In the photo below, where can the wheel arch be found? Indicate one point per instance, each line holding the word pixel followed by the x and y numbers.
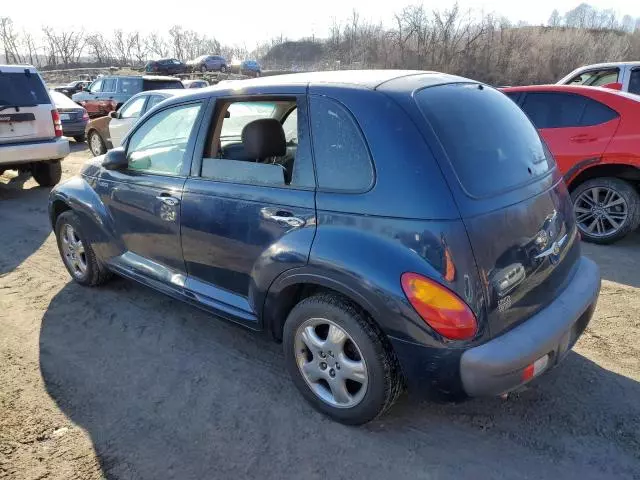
pixel 630 173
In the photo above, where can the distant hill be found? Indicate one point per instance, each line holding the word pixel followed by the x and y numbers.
pixel 301 52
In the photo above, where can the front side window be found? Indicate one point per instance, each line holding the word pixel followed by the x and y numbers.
pixel 596 78
pixel 554 110
pixel 341 154
pixel 159 145
pixel 96 86
pixel 133 108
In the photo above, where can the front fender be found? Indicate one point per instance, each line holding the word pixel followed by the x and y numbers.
pixel 96 222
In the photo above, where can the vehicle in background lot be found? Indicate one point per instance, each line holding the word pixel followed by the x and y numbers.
pixel 73 87
pixel 166 66
pixel 208 63
pixel 73 117
pixel 107 132
pixel 30 129
pixel 594 135
pixel 195 83
pixel 108 93
pixel 282 214
pixel 250 68
pixel 624 76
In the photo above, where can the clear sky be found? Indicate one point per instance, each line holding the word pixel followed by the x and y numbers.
pixel 248 21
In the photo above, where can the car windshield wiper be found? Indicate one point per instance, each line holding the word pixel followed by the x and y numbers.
pixel 17 107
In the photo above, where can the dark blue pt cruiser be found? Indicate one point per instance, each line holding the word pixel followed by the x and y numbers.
pixel 390 228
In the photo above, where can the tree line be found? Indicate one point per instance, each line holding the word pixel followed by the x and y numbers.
pixel 486 47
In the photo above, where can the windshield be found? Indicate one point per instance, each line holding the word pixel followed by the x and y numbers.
pixel 490 142
pixel 17 88
pixel 241 113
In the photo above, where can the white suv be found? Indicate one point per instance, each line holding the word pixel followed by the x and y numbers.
pixel 623 76
pixel 30 129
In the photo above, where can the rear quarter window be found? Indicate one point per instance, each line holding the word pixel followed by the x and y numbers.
pixel 490 143
pixel 17 88
pixel 342 157
pixel 595 113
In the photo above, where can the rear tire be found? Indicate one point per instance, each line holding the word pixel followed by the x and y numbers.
pixel 365 354
pixel 203 68
pixel 84 267
pixel 47 174
pixel 599 223
pixel 223 69
pixel 96 144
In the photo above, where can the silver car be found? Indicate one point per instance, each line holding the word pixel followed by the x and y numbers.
pixel 624 76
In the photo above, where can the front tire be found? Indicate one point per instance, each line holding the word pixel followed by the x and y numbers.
pixel 77 253
pixel 606 209
pixel 223 69
pixel 47 174
pixel 339 360
pixel 203 68
pixel 96 144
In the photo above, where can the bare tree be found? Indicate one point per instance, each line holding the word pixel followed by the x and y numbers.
pixel 555 20
pixel 66 46
pixel 156 45
pixel 10 41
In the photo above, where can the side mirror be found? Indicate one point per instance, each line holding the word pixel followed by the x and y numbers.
pixel 613 86
pixel 115 159
pixel 85 89
pixel 113 114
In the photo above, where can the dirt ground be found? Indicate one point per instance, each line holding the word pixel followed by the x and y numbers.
pixel 124 383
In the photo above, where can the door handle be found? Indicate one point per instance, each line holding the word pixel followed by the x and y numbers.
pixel 282 217
pixel 583 138
pixel 168 200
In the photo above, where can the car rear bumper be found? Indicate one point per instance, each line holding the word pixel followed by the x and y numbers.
pixel 34 151
pixel 73 129
pixel 498 366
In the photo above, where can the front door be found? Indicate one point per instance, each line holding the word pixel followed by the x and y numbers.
pixel 90 100
pixel 127 116
pixel 249 214
pixel 575 128
pixel 144 199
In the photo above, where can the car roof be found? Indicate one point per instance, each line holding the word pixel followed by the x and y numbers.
pixel 592 92
pixel 60 100
pixel 167 92
pixel 17 68
pixel 607 65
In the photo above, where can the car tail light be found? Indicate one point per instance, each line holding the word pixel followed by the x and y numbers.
pixel 439 307
pixel 57 125
pixel 85 115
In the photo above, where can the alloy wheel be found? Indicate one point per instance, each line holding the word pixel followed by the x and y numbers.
pixel 95 144
pixel 600 211
pixel 73 251
pixel 331 363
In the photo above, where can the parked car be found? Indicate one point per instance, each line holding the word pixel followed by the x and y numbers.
pixel 73 87
pixel 364 239
pixel 207 63
pixel 166 66
pixel 250 68
pixel 30 129
pixel 195 83
pixel 104 133
pixel 73 117
pixel 594 135
pixel 108 93
pixel 623 76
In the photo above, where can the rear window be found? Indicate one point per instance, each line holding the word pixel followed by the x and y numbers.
pixel 22 90
pixel 161 84
pixel 490 142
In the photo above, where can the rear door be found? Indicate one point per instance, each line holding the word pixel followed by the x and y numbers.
pixel 25 106
pixel 244 219
pixel 511 197
pixel 576 128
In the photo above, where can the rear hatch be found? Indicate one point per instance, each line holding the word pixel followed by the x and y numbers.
pixel 70 111
pixel 513 202
pixel 25 106
pixel 161 83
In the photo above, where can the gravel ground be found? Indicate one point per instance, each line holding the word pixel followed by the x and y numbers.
pixel 123 383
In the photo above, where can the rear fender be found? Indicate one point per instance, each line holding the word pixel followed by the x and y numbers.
pixel 96 222
pixel 366 267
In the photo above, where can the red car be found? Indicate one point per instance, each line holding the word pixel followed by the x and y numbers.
pixel 594 135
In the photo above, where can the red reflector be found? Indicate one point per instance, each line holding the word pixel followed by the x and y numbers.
pixel 535 368
pixel 57 125
pixel 85 115
pixel 439 307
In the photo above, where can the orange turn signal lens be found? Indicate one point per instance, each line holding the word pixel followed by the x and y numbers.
pixel 439 307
